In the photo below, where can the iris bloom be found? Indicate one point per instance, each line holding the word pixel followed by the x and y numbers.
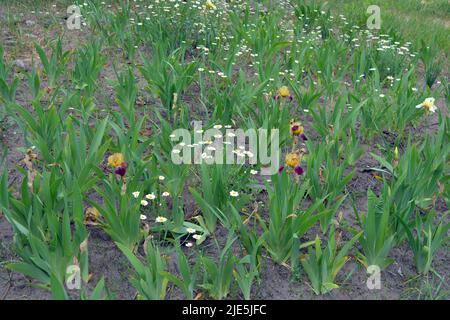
pixel 428 105
pixel 292 159
pixel 296 128
pixel 115 160
pixel 122 169
pixel 284 93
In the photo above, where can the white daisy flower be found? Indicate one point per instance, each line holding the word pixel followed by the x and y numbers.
pixel 190 230
pixel 144 203
pixel 160 219
pixel 234 193
pixel 136 194
pixel 150 196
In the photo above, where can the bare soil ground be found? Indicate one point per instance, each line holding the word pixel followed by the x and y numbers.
pixel 105 259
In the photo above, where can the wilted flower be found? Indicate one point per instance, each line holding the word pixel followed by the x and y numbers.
pixel 292 159
pixel 428 105
pixel 280 169
pixel 160 219
pixel 91 216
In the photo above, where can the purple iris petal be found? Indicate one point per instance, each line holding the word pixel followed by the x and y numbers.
pixel 304 138
pixel 298 170
pixel 122 169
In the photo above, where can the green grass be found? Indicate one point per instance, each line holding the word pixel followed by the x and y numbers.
pixel 428 287
pixel 413 20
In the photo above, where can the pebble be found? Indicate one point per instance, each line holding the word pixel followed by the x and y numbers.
pixel 19 63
